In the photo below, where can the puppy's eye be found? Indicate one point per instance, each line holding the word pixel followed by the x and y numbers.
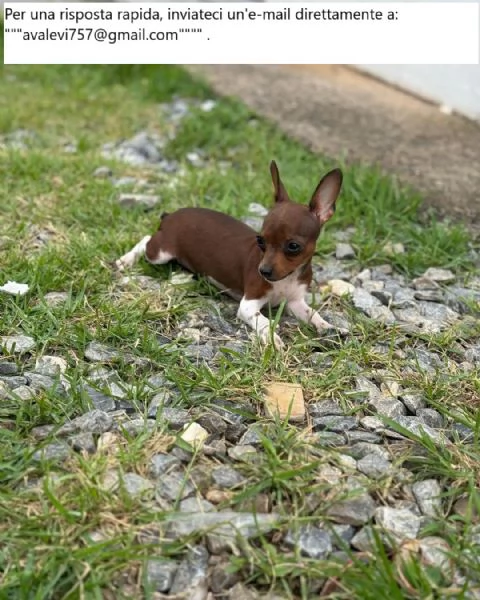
pixel 261 243
pixel 293 248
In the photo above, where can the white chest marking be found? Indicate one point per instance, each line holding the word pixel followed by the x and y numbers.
pixel 288 289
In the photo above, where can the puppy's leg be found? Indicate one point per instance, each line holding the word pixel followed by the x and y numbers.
pixel 303 312
pixel 249 312
pixel 131 257
pixel 157 250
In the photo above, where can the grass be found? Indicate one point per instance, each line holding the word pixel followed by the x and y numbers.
pixel 49 512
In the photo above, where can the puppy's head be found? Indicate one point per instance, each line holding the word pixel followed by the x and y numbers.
pixel 290 230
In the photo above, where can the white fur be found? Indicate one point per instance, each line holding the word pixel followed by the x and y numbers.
pixel 249 312
pixel 131 257
pixel 290 290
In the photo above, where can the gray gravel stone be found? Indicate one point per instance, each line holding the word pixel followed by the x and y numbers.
pixel 226 477
pixel 200 352
pixel 97 352
pixel 399 524
pixel 173 486
pixel 161 464
pixel 159 402
pixel 211 421
pixel 418 427
pixel 372 307
pixel 241 592
pixel 330 270
pixel 23 392
pixel 364 301
pixel 83 442
pixel 401 297
pixel 160 573
pixel 191 576
pixel 176 418
pixel 436 552
pixel 427 494
pixel 372 423
pixel 344 251
pixel 439 275
pixel 99 400
pixel 464 433
pixel 145 201
pixel 196 505
pixel 426 360
pixel 221 579
pixel 245 453
pixel 329 439
pixel 257 209
pixel 368 389
pixel 158 381
pixel 311 541
pixel 424 283
pixel 135 426
pixel 255 223
pixel 39 382
pixel 341 535
pixel 141 149
pixel 8 368
pixel 356 510
pixel 54 299
pixel 334 423
pixel 364 539
pixel 219 325
pixel 41 432
pixel 413 401
pixel 429 295
pixel 103 172
pixel 390 408
pixel 358 435
pixel 362 449
pixel 55 451
pixel 431 417
pixel 439 313
pixel 473 355
pixel 252 436
pixel 14 381
pixel 51 366
pixel 94 421
pixel 374 466
pixel 325 408
pixel 135 485
pixel 17 344
pixel 223 524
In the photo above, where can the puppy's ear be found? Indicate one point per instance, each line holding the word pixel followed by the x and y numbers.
pixel 322 204
pixel 280 191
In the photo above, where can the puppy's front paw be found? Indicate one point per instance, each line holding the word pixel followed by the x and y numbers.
pixel 266 337
pixel 124 262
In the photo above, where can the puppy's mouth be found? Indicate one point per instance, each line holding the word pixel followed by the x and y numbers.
pixel 273 279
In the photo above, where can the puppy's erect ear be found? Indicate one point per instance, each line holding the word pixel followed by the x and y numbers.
pixel 322 204
pixel 280 191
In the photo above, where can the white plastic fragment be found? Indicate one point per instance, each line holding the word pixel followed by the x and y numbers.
pixel 12 287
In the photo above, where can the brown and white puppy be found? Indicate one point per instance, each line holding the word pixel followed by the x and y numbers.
pixel 269 268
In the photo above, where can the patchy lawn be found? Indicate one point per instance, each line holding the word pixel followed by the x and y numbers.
pixel 374 495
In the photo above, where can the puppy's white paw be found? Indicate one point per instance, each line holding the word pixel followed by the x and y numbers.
pixel 266 337
pixel 124 262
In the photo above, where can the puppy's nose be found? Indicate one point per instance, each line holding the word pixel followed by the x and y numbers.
pixel 266 271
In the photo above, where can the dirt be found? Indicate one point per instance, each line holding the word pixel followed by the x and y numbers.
pixel 339 112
